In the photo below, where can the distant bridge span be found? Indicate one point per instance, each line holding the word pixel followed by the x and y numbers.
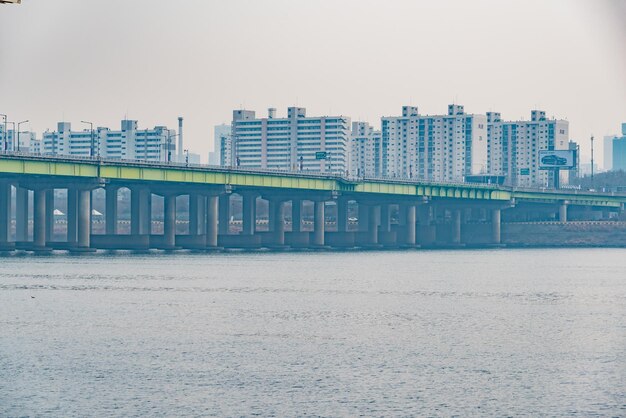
pixel 420 205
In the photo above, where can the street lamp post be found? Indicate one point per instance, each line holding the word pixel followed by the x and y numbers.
pixel 6 145
pixel 18 133
pixel 169 145
pixel 592 161
pixel 91 151
pixel 4 134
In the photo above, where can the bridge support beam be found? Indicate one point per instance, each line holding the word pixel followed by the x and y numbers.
pixel 5 216
pixel 427 232
pixel 197 208
pixel 363 223
pixel 385 218
pixel 224 214
pixel 111 210
pixel 296 215
pixel 456 227
pixel 249 213
pixel 140 211
pixel 212 220
pixel 277 221
pixel 169 221
pixel 410 224
pixel 39 219
pixel 49 214
pixel 72 216
pixel 495 226
pixel 21 214
pixel 84 219
pixel 563 212
pixel 342 215
pixel 318 223
pixel 372 227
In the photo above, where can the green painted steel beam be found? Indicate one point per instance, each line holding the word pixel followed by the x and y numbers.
pixel 119 171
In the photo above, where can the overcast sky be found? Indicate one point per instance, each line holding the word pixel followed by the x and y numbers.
pixel 154 60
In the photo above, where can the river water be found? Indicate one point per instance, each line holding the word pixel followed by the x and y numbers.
pixel 412 333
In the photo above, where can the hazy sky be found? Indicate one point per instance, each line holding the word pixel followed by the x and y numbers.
pixel 154 60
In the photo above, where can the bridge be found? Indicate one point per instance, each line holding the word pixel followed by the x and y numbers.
pixel 389 212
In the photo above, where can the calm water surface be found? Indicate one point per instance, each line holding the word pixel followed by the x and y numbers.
pixel 502 332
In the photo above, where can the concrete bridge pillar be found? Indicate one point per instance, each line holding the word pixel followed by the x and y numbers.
pixel 495 226
pixel 296 215
pixel 409 221
pixel 249 213
pixel 277 221
pixel 385 218
pixel 318 223
pixel 363 225
pixel 5 215
pixel 197 210
pixel 563 212
pixel 140 211
pixel 212 220
pixel 427 232
pixel 169 221
pixel 39 218
pixel 49 214
pixel 84 219
pixel 342 215
pixel 456 226
pixel 111 210
pixel 372 227
pixel 224 214
pixel 72 216
pixel 21 214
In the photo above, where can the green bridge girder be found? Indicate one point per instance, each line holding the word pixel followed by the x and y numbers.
pixel 15 166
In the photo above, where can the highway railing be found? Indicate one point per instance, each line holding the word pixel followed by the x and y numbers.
pixel 296 173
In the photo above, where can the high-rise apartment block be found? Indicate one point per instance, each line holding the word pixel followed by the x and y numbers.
pixel 514 147
pixel 619 150
pixel 296 142
pixel 438 148
pixel 221 145
pixel 130 142
pixel 366 157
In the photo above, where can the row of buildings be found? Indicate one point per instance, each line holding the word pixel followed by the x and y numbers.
pixel 129 142
pixel 451 147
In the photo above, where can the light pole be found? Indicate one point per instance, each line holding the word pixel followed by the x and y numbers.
pixel 169 145
pixel 13 123
pixel 591 161
pixel 18 133
pixel 91 129
pixel 4 134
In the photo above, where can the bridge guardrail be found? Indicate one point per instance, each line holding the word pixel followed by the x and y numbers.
pixel 302 174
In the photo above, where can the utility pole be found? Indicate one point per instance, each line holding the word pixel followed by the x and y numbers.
pixel 592 161
pixel 18 133
pixel 91 150
pixel 4 134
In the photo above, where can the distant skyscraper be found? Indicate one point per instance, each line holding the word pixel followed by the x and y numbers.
pixel 514 147
pixel 130 142
pixel 619 151
pixel 365 150
pixel 297 141
pixel 608 152
pixel 439 148
pixel 220 134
